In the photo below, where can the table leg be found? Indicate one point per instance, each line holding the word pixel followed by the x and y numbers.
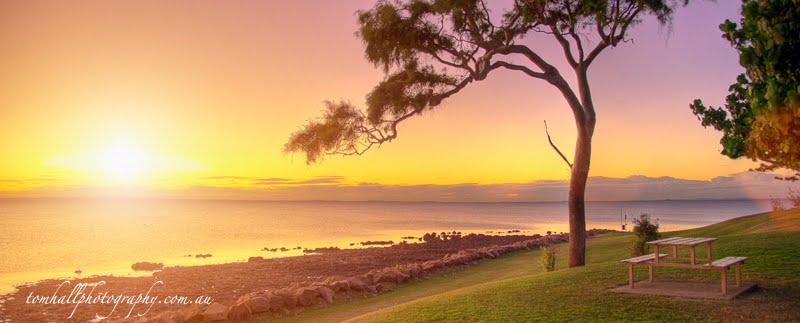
pixel 656 260
pixel 738 275
pixel 630 275
pixel 709 251
pixel 724 282
pixel 675 251
pixel 650 271
pixel 691 254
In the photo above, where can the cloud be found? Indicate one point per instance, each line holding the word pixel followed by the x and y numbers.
pixel 746 185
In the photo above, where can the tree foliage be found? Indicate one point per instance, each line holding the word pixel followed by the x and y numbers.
pixel 431 50
pixel 761 116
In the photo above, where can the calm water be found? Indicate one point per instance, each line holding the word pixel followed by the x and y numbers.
pixel 50 238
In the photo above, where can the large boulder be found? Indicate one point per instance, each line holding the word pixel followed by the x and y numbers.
pixel 340 285
pixel 356 284
pixel 370 277
pixel 326 294
pixel 277 303
pixel 215 312
pixel 192 314
pixel 168 317
pixel 431 265
pixel 375 289
pixel 394 276
pixel 290 300
pixel 239 312
pixel 306 296
pixel 415 270
pixel 258 304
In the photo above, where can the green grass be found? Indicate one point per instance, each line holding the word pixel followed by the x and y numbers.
pixel 514 288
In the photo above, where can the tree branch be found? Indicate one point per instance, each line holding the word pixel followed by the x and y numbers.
pixel 521 68
pixel 554 146
pixel 566 46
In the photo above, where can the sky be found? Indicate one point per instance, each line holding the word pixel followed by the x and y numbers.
pixel 197 98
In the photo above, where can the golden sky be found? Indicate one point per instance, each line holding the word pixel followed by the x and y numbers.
pixel 205 93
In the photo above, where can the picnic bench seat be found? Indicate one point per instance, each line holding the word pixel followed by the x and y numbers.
pixel 640 260
pixel 725 263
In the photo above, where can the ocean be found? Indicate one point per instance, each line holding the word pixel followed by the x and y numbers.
pixel 52 238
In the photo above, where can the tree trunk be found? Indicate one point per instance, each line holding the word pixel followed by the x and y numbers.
pixel 577 208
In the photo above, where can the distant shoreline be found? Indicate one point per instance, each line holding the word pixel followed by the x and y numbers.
pixel 111 198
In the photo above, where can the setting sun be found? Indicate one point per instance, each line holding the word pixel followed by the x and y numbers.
pixel 123 162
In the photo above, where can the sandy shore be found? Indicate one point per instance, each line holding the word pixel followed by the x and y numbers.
pixel 224 283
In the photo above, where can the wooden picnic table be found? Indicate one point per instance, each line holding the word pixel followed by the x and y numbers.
pixel 655 258
pixel 675 242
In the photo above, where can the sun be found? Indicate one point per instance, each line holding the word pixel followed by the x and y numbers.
pixel 125 163
pixel 122 162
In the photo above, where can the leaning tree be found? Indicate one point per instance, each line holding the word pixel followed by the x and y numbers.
pixel 430 50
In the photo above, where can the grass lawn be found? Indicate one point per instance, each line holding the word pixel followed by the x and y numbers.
pixel 514 288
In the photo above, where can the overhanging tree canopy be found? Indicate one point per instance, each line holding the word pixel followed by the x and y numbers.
pixel 432 49
pixel 761 117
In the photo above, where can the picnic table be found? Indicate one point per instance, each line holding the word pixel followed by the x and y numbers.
pixel 658 259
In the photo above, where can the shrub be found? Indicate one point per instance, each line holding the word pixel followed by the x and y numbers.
pixel 645 230
pixel 548 258
pixel 777 204
pixel 794 197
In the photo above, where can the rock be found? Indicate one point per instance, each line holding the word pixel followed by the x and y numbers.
pixel 356 284
pixel 374 276
pixel 369 278
pixel 415 270
pixel 374 288
pixel 215 312
pixel 289 299
pixel 343 285
pixel 334 286
pixel 255 259
pixel 239 312
pixel 147 266
pixel 326 294
pixel 247 297
pixel 192 314
pixel 393 275
pixel 168 317
pixel 306 296
pixel 258 304
pixel 433 264
pixel 277 303
pixel 333 279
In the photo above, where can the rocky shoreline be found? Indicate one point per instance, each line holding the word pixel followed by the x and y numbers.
pixel 274 285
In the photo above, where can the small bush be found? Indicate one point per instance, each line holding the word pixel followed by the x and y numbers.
pixel 645 230
pixel 794 197
pixel 777 204
pixel 548 258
